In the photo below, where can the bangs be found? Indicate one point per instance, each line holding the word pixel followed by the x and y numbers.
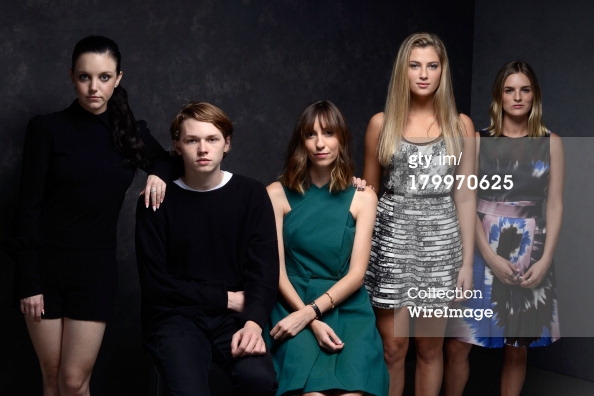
pixel 328 120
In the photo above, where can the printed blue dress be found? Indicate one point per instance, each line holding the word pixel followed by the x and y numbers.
pixel 515 227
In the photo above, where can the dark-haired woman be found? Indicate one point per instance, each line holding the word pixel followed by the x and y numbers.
pixel 77 165
pixel 515 243
pixel 325 340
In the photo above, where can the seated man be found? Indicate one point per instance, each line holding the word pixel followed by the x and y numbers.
pixel 208 263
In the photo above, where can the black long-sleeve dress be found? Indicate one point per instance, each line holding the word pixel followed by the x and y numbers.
pixel 72 189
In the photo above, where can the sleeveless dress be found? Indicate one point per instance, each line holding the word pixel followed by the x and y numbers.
pixel 513 222
pixel 318 236
pixel 416 248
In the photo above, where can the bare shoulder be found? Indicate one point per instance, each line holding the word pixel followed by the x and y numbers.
pixel 468 125
pixel 373 130
pixel 376 121
pixel 556 145
pixel 555 140
pixel 555 137
pixel 275 188
pixel 364 200
pixel 368 196
pixel 277 195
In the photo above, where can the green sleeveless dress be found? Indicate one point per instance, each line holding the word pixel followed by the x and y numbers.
pixel 318 236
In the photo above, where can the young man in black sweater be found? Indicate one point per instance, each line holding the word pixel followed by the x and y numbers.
pixel 208 263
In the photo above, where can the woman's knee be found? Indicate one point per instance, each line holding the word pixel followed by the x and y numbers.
pixel 456 350
pixel 74 384
pixel 429 348
pixel 515 355
pixel 395 349
pixel 50 374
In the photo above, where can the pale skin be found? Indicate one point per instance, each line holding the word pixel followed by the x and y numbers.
pixel 67 348
pixel 322 149
pixel 517 103
pixel 202 147
pixel 424 74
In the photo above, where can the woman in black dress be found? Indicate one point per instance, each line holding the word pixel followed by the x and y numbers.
pixel 77 165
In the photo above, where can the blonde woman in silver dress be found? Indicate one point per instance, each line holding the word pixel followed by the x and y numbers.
pixel 423 234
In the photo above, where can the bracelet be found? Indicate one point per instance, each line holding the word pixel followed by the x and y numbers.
pixel 316 310
pixel 331 299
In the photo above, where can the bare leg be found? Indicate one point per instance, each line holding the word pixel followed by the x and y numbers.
pixel 46 337
pixel 514 370
pixel 456 368
pixel 80 346
pixel 389 324
pixel 429 342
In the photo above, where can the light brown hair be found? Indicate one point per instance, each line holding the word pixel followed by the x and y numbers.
pixel 296 170
pixel 205 112
pixel 536 127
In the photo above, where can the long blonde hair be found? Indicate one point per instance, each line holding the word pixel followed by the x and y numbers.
pixel 536 127
pixel 399 96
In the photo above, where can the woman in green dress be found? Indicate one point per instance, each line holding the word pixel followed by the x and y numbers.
pixel 323 335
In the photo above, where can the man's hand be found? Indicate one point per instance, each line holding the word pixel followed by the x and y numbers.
pixel 236 301
pixel 248 341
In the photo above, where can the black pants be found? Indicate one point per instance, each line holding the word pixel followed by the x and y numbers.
pixel 182 349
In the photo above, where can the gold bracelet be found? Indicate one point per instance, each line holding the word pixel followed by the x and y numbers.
pixel 331 299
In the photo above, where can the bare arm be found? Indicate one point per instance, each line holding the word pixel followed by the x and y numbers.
pixel 554 214
pixel 372 169
pixel 503 269
pixel 363 209
pixel 281 208
pixel 465 200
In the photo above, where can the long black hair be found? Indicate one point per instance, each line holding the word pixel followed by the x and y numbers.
pixel 124 128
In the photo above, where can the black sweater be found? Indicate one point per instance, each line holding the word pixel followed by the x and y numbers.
pixel 72 187
pixel 199 245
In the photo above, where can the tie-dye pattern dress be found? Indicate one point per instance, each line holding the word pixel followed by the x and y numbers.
pixel 511 213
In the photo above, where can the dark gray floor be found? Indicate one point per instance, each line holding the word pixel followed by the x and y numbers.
pixel 484 379
pixel 485 366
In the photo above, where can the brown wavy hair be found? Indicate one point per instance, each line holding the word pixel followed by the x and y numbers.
pixel 295 173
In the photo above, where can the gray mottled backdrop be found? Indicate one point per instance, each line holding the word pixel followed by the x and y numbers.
pixel 261 61
pixel 556 38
